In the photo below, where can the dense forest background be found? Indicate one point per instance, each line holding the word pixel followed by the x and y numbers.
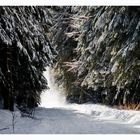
pixel 98 54
pixel 93 52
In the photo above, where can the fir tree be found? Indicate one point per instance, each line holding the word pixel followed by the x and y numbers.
pixel 25 51
pixel 105 58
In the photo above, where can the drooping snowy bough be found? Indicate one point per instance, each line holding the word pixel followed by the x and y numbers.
pixel 25 51
pixel 99 50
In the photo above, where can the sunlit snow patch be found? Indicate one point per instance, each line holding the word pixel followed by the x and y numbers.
pixel 53 96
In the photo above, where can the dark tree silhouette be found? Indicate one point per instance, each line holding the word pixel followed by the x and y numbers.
pixel 25 51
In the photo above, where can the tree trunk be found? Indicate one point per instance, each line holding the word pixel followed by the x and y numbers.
pixel 8 90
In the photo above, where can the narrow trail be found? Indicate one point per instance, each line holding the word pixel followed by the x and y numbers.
pixel 61 117
pixel 55 116
pixel 68 121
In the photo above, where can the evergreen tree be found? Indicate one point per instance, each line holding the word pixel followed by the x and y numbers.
pixel 24 53
pixel 105 57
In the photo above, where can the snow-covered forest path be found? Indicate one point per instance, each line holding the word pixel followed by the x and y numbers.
pixel 55 116
pixel 73 119
pixel 68 121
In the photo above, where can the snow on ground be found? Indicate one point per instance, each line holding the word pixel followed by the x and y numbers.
pixel 60 118
pixel 90 118
pixel 55 116
pixel 72 119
